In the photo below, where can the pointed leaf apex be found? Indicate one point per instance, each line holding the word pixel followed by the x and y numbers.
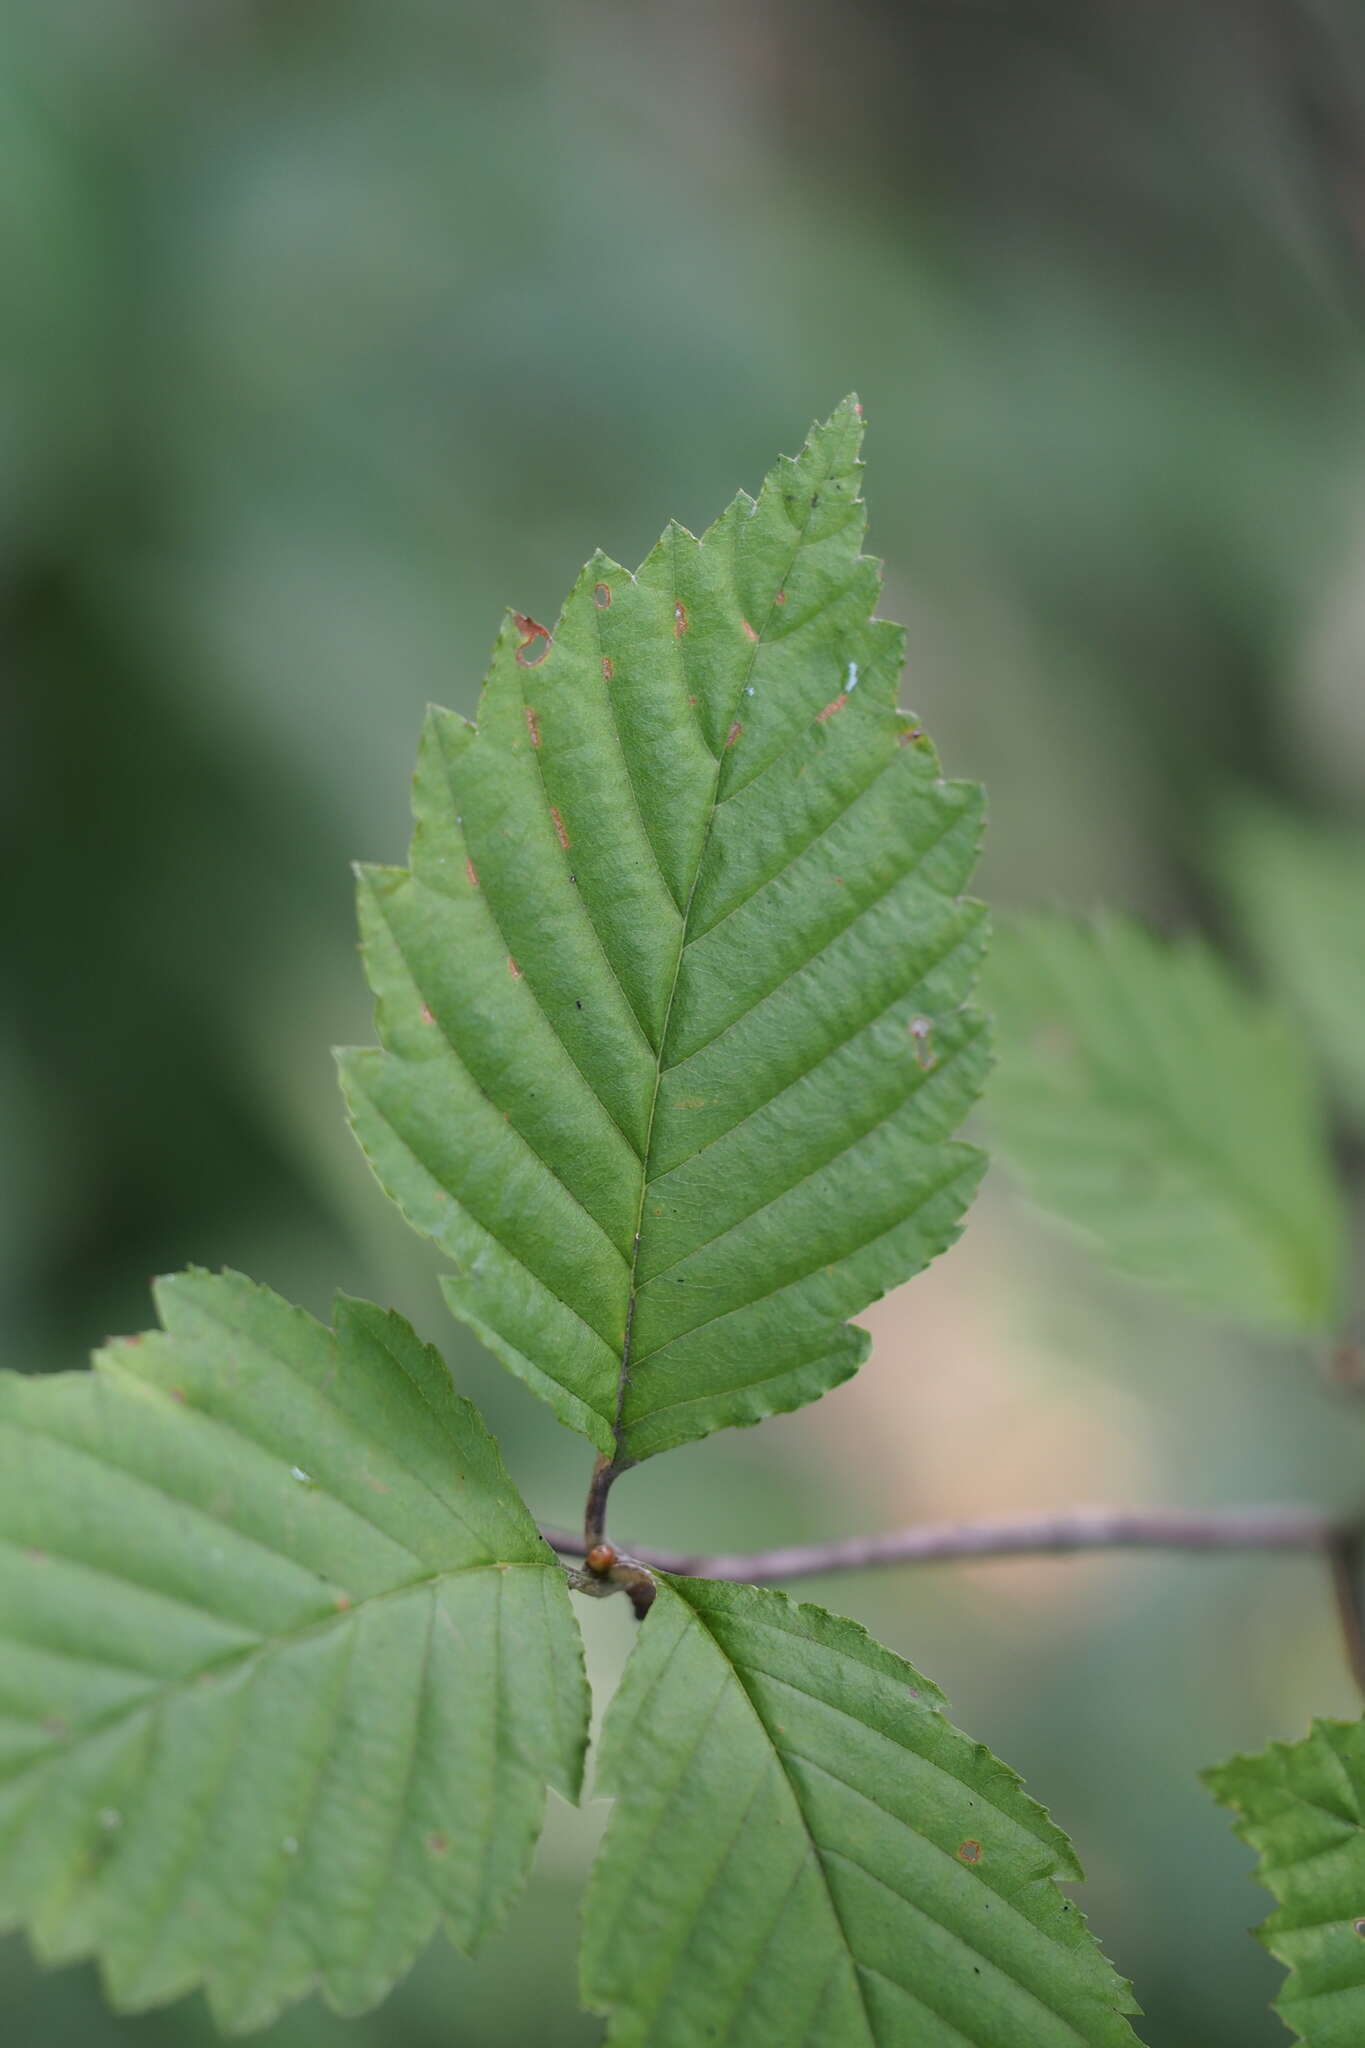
pixel 676 904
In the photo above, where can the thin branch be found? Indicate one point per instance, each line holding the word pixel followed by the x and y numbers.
pixel 1030 1536
pixel 1341 1544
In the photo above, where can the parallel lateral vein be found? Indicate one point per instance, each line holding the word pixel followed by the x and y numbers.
pixel 915 1086
pixel 623 1378
pixel 840 817
pixel 957 941
pixel 629 768
pixel 453 896
pixel 906 874
pixel 738 1679
pixel 921 1200
pixel 588 917
pixel 514 1257
pixel 254 1655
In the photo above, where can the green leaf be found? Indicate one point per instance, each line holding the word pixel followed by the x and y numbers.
pixel 1147 1099
pixel 647 990
pixel 266 1722
pixel 1301 1807
pixel 804 1851
pixel 1299 890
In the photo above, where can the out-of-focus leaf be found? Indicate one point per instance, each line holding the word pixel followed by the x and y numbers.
pixel 1146 1098
pixel 1299 890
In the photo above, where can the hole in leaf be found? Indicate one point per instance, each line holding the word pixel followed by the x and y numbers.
pixel 536 636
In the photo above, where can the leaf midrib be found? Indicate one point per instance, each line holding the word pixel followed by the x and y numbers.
pixel 623 1373
pixel 819 1852
pixel 233 1660
pixel 812 1844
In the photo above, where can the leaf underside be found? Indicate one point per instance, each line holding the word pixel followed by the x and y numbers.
pixel 1301 1806
pixel 805 1854
pixel 284 1665
pixel 671 995
pixel 1150 1102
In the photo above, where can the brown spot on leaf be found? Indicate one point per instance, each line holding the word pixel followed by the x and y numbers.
pixel 836 704
pixel 472 873
pixel 533 726
pixel 438 1844
pixel 513 969
pixel 36 1556
pixel 341 1602
pixel 53 1724
pixel 679 618
pixel 858 407
pixel 608 668
pixel 425 1014
pixel 601 596
pixel 536 636
pixel 921 1030
pixel 969 1852
pixel 780 598
pixel 735 730
pixel 179 1394
pixel 559 828
pixel 749 632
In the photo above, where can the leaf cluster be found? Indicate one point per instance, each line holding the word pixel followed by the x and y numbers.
pixel 674 1000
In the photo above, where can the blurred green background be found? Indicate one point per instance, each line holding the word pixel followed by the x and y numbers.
pixel 330 328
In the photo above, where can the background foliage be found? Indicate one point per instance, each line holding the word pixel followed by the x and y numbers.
pixel 330 329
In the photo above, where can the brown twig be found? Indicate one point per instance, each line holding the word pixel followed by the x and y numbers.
pixel 1029 1536
pixel 1341 1544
